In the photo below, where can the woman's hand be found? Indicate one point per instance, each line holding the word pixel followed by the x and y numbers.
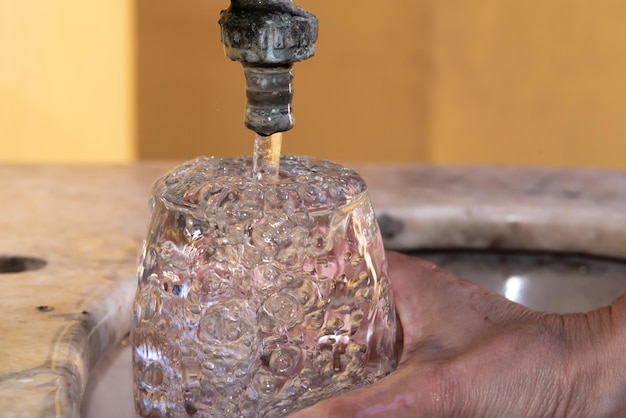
pixel 469 352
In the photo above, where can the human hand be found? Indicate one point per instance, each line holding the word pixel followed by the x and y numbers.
pixel 469 352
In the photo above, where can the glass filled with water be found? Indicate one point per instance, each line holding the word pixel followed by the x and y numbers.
pixel 259 296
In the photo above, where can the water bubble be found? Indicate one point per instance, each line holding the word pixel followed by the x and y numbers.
pixel 221 324
pixel 356 260
pixel 357 316
pixel 355 348
pixel 234 234
pixel 193 228
pixel 241 371
pixel 200 401
pixel 343 309
pixel 364 295
pixel 212 283
pixel 251 257
pixel 341 278
pixel 148 351
pixel 149 262
pixel 264 383
pixel 314 320
pixel 251 196
pixel 202 251
pixel 333 326
pixel 284 361
pixel 313 195
pixel 191 372
pixel 150 303
pixel 266 239
pixel 269 275
pixel 319 243
pixel 282 308
pixel 360 280
pixel 302 218
pixel 306 294
pixel 173 256
pixel 227 254
pixel 194 309
pixel 300 237
pixel 275 197
pixel 292 280
pixel 290 257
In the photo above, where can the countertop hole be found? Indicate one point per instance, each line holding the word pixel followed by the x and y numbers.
pixel 18 264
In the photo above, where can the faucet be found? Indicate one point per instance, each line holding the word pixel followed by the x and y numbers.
pixel 267 37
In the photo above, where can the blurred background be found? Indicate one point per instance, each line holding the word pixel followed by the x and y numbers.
pixel 464 82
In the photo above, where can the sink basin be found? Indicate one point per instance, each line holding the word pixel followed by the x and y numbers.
pixel 549 282
pixel 544 281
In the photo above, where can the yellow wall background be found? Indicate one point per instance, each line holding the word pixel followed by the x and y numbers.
pixel 67 81
pixel 478 82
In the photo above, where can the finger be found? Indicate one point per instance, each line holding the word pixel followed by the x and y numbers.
pixel 426 296
pixel 438 310
pixel 408 392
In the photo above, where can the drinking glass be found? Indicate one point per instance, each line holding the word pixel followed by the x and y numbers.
pixel 259 297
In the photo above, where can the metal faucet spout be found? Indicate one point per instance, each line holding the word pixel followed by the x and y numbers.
pixel 267 37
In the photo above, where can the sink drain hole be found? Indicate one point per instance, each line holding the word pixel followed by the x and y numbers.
pixel 17 264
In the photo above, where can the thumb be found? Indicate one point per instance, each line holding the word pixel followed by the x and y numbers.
pixel 399 395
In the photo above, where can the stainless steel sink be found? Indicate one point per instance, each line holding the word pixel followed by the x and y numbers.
pixel 549 282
